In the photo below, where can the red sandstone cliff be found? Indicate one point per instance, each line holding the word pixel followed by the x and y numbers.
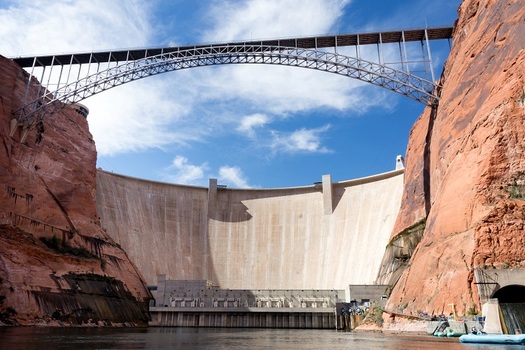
pixel 48 191
pixel 465 177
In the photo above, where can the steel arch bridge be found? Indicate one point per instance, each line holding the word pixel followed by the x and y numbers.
pixel 71 78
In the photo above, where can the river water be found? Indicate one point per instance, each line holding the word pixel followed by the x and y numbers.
pixel 29 338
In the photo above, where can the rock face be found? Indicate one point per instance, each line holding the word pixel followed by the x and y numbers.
pixel 55 259
pixel 465 175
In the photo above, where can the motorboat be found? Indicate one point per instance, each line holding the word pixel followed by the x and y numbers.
pixel 493 338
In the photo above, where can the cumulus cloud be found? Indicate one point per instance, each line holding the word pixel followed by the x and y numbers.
pixel 30 27
pixel 250 122
pixel 143 115
pixel 280 90
pixel 182 171
pixel 303 140
pixel 256 19
pixel 233 175
pixel 283 90
pixel 129 118
pixel 185 172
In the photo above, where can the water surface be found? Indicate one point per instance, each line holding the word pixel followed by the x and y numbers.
pixel 221 338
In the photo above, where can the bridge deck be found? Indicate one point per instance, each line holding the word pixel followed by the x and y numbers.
pixel 436 33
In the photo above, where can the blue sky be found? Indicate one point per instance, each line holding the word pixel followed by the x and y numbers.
pixel 248 126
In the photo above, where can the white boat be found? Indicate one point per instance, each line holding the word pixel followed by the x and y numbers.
pixel 493 338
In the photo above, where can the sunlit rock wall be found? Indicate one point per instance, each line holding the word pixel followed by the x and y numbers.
pixel 290 238
pixel 47 194
pixel 465 176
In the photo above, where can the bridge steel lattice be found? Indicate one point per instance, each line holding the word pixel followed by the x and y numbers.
pixel 71 78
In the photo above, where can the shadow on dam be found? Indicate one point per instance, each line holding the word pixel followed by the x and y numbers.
pixel 230 207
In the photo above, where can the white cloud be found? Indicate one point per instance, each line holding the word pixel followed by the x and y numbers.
pixel 142 115
pixel 256 19
pixel 233 175
pixel 273 89
pixel 282 90
pixel 182 171
pixel 185 173
pixel 40 27
pixel 250 122
pixel 128 118
pixel 303 140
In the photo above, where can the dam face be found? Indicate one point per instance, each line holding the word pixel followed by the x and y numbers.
pixel 324 236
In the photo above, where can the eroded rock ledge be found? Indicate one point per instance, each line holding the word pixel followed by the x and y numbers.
pixel 57 265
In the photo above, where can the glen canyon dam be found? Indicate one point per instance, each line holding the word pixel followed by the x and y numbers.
pixel 441 233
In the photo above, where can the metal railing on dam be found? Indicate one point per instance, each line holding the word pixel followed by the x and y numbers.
pixel 323 236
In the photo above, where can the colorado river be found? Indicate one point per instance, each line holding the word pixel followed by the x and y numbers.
pixel 211 338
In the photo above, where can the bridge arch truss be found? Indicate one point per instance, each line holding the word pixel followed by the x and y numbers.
pixel 71 78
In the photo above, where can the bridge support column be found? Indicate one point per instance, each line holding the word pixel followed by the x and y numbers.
pixel 13 127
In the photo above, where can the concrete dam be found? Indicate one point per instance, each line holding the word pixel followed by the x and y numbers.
pixel 328 235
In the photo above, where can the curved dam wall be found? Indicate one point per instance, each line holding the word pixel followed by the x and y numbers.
pixel 324 236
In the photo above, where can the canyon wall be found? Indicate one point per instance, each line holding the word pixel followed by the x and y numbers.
pixel 464 183
pixel 323 236
pixel 57 265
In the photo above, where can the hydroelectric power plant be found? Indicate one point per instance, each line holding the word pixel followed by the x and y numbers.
pixel 289 254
